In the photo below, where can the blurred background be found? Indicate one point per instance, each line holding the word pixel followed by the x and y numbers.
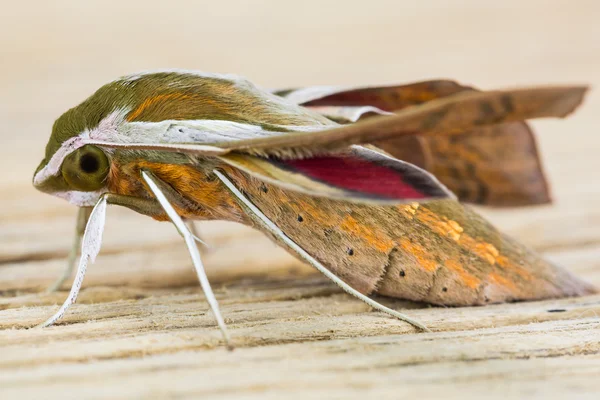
pixel 55 54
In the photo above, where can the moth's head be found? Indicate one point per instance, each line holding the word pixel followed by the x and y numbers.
pixel 71 169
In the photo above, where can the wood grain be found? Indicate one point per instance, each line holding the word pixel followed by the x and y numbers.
pixel 142 329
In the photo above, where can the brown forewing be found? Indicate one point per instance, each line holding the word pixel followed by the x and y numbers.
pixel 460 112
pixel 391 98
pixel 495 165
pixel 439 252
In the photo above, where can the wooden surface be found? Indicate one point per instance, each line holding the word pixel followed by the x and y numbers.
pixel 141 328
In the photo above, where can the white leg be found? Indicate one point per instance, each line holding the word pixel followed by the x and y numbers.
pixel 194 231
pixel 92 239
pixel 82 217
pixel 267 223
pixel 194 253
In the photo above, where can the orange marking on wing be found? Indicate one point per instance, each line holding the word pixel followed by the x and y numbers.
pixel 153 100
pixel 452 229
pixel 500 280
pixel 420 254
pixel 507 264
pixel 457 230
pixel 376 238
pixel 314 213
pixel 483 249
pixel 409 210
pixel 470 280
pixel 441 225
pixel 488 250
pixel 480 248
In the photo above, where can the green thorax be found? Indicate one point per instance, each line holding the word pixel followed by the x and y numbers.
pixel 160 96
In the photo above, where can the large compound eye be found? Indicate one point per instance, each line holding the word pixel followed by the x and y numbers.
pixel 86 168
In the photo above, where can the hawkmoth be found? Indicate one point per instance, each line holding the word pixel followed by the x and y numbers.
pixel 365 184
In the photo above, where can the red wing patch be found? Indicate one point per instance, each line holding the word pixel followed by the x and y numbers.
pixel 357 175
pixel 369 175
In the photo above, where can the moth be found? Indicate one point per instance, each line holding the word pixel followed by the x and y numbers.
pixel 365 184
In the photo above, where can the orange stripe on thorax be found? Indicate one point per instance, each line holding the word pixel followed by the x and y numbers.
pixel 153 100
pixel 190 183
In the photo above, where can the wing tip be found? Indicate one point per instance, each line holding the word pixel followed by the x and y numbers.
pixel 572 99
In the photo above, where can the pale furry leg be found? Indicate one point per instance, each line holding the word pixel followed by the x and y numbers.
pixel 92 238
pixel 262 219
pixel 82 217
pixel 194 253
